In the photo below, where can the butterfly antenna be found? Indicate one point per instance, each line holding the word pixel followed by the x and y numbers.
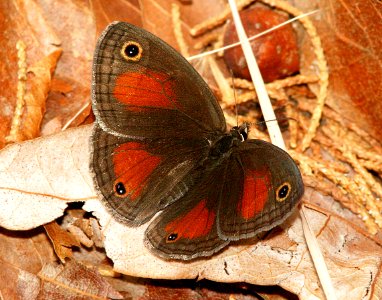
pixel 274 120
pixel 235 98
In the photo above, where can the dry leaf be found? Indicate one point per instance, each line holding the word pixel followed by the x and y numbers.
pixel 350 33
pixel 280 259
pixel 48 172
pixel 39 178
pixel 155 16
pixel 62 241
pixel 22 255
pixel 21 21
pixel 73 281
pixel 38 86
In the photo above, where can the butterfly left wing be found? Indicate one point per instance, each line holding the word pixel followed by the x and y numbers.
pixel 261 188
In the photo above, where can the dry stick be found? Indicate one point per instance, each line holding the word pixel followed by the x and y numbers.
pixel 177 26
pixel 224 86
pixel 78 113
pixel 272 87
pixel 321 64
pixel 277 139
pixel 293 125
pixel 316 42
pixel 375 165
pixel 277 84
pixel 318 258
pixel 219 77
pixel 21 87
pixel 207 39
pixel 265 102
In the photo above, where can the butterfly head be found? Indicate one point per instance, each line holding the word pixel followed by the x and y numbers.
pixel 240 132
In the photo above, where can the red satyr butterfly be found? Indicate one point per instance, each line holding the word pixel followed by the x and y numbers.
pixel 160 143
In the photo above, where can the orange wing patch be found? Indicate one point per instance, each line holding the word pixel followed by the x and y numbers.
pixel 132 165
pixel 257 184
pixel 149 89
pixel 196 223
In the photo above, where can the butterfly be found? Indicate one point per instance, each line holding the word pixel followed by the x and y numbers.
pixel 160 144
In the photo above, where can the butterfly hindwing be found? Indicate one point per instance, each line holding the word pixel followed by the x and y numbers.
pixel 260 191
pixel 188 229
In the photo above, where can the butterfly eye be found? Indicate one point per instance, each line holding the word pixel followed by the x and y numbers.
pixel 120 189
pixel 131 51
pixel 283 191
pixel 172 237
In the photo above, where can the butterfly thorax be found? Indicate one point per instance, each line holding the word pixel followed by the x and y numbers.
pixel 223 146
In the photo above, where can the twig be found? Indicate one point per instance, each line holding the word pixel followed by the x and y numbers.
pixel 321 64
pixel 318 259
pixel 14 133
pixel 177 26
pixel 265 103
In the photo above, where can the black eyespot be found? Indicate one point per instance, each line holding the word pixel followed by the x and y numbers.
pixel 172 237
pixel 131 51
pixel 283 191
pixel 120 188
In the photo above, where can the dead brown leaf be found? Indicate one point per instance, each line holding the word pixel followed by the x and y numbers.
pixel 42 27
pixel 62 240
pixel 38 178
pixel 350 36
pixel 155 16
pixel 22 255
pixel 33 102
pixel 351 256
pixel 73 281
pixel 29 271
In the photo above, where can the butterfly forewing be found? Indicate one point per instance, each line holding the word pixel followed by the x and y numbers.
pixel 154 94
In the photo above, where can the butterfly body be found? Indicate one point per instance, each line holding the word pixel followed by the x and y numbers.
pixel 160 144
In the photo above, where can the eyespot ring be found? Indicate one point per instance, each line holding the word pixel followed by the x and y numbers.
pixel 283 191
pixel 131 51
